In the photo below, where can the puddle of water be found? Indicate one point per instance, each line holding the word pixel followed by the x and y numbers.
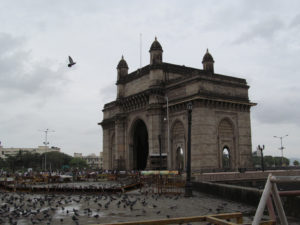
pixel 60 213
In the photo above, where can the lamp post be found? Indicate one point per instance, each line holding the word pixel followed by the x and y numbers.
pixel 46 144
pixel 188 185
pixel 281 147
pixel 262 156
pixel 168 121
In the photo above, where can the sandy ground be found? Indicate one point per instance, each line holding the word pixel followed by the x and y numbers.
pixel 22 208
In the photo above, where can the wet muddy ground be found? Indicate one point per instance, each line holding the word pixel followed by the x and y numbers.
pixel 30 208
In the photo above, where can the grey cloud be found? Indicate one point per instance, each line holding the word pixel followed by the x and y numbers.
pixel 295 21
pixel 19 74
pixel 262 30
pixel 97 32
pixel 274 110
pixel 9 43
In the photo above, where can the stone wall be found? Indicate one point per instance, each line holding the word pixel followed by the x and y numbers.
pixel 136 86
pixel 249 175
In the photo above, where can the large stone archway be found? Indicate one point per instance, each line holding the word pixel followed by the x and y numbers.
pixel 160 89
pixel 139 145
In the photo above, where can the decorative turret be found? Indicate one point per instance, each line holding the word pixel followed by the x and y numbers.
pixel 208 62
pixel 155 53
pixel 122 68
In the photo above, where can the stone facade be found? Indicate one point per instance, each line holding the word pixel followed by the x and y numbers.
pixel 153 99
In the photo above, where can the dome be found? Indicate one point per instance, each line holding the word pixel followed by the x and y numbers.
pixel 122 64
pixel 155 46
pixel 207 57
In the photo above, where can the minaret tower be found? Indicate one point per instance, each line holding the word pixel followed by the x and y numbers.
pixel 208 62
pixel 155 53
pixel 122 69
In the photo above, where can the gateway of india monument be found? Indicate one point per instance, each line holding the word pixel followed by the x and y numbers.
pixel 146 127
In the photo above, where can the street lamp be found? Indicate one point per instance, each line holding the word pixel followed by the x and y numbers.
pixel 281 147
pixel 262 156
pixel 46 143
pixel 188 185
pixel 168 121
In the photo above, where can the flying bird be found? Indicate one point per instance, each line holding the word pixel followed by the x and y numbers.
pixel 71 62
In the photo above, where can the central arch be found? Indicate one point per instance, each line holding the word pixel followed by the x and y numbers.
pixel 140 145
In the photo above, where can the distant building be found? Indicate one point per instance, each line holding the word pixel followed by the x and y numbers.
pixel 5 152
pixel 92 160
pixel 78 155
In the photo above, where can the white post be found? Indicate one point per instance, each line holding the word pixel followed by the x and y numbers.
pixel 278 205
pixel 262 203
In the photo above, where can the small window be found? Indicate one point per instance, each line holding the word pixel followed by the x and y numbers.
pixel 226 158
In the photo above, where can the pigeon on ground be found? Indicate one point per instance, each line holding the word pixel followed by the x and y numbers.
pixel 71 62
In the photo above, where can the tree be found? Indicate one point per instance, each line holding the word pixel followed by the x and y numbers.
pixel 10 161
pixel 24 160
pixel 3 163
pixel 269 161
pixel 78 163
pixel 56 159
pixel 256 161
pixel 296 163
pixel 279 161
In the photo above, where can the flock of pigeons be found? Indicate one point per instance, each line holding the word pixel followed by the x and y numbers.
pixel 22 208
pixel 16 208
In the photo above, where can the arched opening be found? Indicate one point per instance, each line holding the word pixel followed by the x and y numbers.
pixel 227 145
pixel 179 159
pixel 226 158
pixel 140 145
pixel 177 146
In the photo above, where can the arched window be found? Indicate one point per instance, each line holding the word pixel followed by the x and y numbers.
pixel 227 146
pixel 178 139
pixel 226 158
pixel 179 159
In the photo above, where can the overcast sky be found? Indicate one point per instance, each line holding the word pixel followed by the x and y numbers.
pixel 256 40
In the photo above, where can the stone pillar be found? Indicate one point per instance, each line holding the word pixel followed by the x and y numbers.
pixel 120 143
pixel 156 75
pixel 154 126
pixel 120 90
pixel 106 140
